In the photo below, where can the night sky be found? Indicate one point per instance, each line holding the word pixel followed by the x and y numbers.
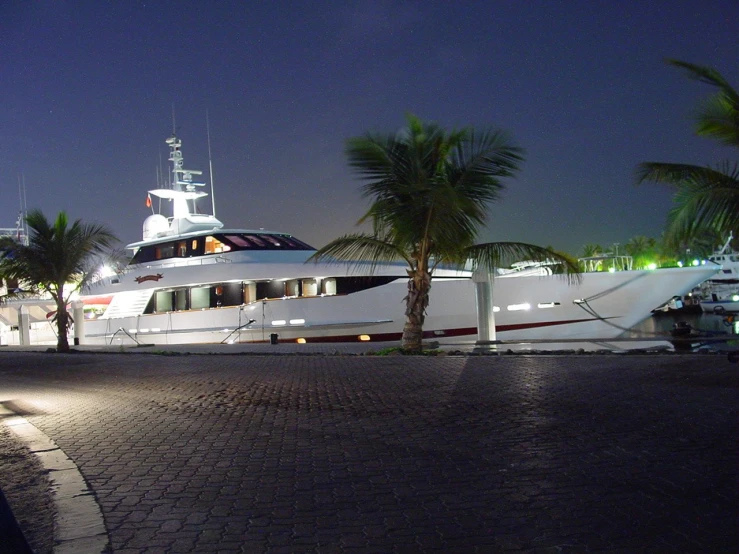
pixel 87 89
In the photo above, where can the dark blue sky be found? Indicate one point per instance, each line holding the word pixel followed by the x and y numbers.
pixel 87 90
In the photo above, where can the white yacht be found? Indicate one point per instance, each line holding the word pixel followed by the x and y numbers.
pixel 191 280
pixel 720 293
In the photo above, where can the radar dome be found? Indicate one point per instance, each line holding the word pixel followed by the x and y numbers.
pixel 155 226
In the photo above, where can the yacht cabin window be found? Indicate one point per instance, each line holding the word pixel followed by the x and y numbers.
pixel 217 244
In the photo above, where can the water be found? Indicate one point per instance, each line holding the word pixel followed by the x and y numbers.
pixel 709 324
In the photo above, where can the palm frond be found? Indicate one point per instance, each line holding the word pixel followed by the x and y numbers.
pixel 494 255
pixel 718 117
pixel 675 174
pixel 360 247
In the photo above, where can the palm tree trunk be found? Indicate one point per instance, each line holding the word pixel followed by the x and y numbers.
pixel 416 303
pixel 62 319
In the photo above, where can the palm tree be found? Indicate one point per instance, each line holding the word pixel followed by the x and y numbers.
pixel 706 199
pixel 430 189
pixel 643 250
pixel 56 255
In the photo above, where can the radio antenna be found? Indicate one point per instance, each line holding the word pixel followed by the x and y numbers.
pixel 210 166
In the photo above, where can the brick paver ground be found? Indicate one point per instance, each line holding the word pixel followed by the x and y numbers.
pixel 335 454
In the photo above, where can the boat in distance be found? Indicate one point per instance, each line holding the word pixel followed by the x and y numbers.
pixel 191 280
pixel 720 293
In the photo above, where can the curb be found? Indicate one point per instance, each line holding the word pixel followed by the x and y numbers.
pixel 79 527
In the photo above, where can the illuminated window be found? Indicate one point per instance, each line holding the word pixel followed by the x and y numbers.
pixel 215 246
pixel 518 307
pixel 547 304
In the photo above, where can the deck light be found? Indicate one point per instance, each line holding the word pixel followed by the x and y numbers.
pixel 300 340
pixel 364 337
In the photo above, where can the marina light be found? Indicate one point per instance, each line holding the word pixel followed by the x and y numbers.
pixel 679 264
pixel 652 266
pixel 735 298
pixel 364 338
pixel 611 270
pixel 300 341
pixel 696 262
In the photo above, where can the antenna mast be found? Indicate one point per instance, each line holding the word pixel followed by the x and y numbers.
pixel 210 166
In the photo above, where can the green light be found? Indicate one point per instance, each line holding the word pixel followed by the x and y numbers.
pixel 652 266
pixel 696 262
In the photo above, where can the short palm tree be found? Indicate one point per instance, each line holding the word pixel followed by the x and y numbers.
pixel 707 198
pixel 643 250
pixel 56 255
pixel 430 190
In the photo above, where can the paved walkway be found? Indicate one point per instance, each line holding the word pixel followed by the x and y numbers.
pixel 338 454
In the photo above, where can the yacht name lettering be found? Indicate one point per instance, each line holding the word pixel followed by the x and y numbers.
pixel 149 278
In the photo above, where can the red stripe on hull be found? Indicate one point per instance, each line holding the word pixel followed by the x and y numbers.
pixel 459 332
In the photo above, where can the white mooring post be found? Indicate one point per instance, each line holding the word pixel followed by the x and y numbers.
pixel 78 315
pixel 24 326
pixel 483 280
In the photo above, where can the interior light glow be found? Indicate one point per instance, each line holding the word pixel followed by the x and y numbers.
pixel 300 341
pixel 297 321
pixel 611 270
pixel 364 337
pixel 132 330
pixel 652 266
pixel 496 308
pixel 279 322
pixel 518 307
pixel 547 304
pixel 679 264
pixel 155 329
pixel 143 330
pixel 735 298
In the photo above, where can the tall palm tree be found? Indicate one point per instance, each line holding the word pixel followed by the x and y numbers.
pixel 707 198
pixel 56 255
pixel 430 190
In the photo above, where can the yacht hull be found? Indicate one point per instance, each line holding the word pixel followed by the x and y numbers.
pixel 601 306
